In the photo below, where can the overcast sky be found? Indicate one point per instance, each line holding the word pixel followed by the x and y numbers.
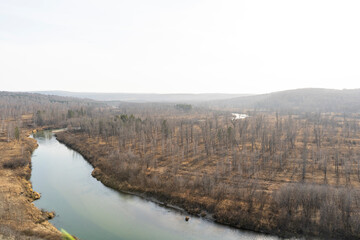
pixel 183 46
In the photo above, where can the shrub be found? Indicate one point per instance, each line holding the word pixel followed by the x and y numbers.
pixel 15 163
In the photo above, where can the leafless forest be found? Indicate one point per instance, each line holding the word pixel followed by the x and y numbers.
pixel 283 170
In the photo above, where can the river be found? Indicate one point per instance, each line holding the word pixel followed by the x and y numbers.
pixel 91 211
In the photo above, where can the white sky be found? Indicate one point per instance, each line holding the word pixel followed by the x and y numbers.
pixel 191 46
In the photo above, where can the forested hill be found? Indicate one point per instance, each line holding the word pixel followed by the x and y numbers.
pixel 290 101
pixel 145 97
pixel 299 100
pixel 24 103
pixel 28 97
pixel 45 109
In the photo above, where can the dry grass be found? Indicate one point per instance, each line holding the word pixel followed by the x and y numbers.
pixel 19 218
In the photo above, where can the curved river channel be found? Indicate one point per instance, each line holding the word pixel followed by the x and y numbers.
pixel 89 210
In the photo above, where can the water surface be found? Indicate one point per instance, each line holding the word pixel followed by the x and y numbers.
pixel 91 211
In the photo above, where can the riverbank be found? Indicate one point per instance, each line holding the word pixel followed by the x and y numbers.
pixel 19 218
pixel 258 205
pixel 92 211
pixel 227 212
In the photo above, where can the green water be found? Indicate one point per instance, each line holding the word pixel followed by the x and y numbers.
pixel 89 210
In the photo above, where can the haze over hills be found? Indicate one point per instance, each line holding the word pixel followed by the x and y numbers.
pixel 307 99
pixel 304 100
pixel 145 97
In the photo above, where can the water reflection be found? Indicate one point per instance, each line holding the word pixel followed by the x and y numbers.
pixel 43 135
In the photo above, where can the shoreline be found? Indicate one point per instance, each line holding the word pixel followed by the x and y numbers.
pixel 177 204
pixel 23 220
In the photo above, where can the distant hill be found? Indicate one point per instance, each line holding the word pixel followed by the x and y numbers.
pixel 298 100
pixel 145 97
pixel 15 104
pixel 309 100
pixel 37 98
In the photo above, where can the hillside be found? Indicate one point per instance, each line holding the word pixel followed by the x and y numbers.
pixel 298 100
pixel 144 97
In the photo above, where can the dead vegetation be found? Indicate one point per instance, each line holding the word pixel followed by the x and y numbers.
pixel 19 218
pixel 277 173
pixel 280 174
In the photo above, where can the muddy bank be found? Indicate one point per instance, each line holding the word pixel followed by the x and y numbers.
pixel 19 218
